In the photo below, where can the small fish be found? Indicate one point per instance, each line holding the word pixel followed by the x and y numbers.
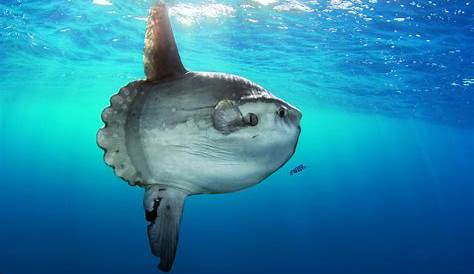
pixel 297 169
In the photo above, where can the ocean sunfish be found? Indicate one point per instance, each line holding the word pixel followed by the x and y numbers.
pixel 180 133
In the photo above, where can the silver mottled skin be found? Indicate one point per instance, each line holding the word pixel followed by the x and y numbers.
pixel 180 133
pixel 172 142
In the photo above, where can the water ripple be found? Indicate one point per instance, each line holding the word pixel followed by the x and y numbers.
pixel 402 58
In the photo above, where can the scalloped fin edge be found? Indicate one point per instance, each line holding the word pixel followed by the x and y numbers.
pixel 111 137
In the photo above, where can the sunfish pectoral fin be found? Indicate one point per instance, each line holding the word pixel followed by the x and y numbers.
pixel 163 210
pixel 161 58
pixel 227 117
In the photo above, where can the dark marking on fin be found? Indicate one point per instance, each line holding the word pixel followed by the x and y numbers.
pixel 150 215
pixel 161 57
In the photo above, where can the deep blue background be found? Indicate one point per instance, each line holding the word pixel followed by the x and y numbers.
pixel 387 138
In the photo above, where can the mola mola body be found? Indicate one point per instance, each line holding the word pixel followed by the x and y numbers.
pixel 179 133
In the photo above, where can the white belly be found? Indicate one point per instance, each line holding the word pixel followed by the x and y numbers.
pixel 190 156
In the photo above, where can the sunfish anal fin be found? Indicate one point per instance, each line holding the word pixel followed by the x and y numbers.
pixel 163 210
pixel 161 57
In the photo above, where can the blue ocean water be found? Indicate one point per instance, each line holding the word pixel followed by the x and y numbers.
pixel 387 94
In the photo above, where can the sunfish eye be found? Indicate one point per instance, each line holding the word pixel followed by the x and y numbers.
pixel 282 112
pixel 253 119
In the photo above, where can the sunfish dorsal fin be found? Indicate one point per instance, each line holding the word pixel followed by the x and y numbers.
pixel 161 57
